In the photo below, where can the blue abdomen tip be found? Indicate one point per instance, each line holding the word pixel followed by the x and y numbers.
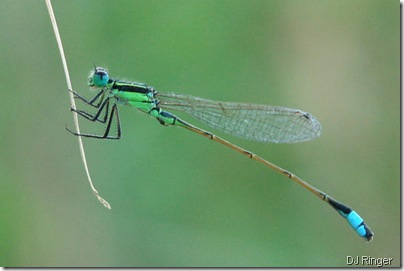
pixel 354 219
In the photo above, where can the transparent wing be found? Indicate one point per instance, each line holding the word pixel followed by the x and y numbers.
pixel 263 123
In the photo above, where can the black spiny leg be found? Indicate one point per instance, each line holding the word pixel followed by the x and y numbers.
pixel 92 100
pixel 114 112
pixel 104 104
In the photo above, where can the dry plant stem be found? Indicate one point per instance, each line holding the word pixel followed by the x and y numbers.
pixel 72 103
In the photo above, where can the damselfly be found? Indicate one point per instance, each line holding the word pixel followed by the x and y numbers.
pixel 263 123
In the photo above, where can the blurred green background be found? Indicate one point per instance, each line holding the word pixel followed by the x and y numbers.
pixel 179 199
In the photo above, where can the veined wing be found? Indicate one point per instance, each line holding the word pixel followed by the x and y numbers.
pixel 263 123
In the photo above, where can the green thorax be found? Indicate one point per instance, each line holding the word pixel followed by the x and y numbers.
pixel 135 94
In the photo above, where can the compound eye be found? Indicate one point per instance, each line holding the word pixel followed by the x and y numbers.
pixel 98 78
